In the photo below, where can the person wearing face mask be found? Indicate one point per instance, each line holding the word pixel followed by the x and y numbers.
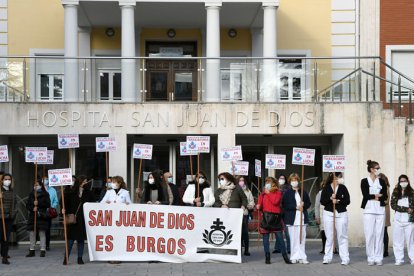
pixel 387 214
pixel 339 197
pixel 228 194
pixel 292 206
pixel 108 186
pixel 202 198
pixel 250 206
pixel 169 181
pixel 402 201
pixel 374 195
pixel 269 203
pixel 8 196
pixel 118 192
pixel 75 196
pixel 37 204
pixel 280 244
pixel 155 191
pixel 54 203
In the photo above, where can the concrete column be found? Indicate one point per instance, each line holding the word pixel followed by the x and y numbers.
pixel 85 77
pixel 270 89
pixel 71 80
pixel 224 140
pixel 129 91
pixel 213 51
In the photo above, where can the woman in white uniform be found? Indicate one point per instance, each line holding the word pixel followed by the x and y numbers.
pixel 374 195
pixel 335 193
pixel 202 198
pixel 118 193
pixel 402 201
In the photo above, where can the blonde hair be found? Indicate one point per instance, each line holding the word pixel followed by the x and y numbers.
pixel 274 183
pixel 120 180
pixel 293 176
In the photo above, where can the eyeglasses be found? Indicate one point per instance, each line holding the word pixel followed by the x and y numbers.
pixel 202 177
pixel 222 179
pixel 377 168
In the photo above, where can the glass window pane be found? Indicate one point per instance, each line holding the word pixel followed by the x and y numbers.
pixel 117 86
pixel 183 86
pixel 44 87
pixel 58 87
pixel 158 86
pixel 104 80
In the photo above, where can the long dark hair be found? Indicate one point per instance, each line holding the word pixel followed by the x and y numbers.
pixel 371 164
pixel 408 192
pixel 227 176
pixel 40 182
pixel 156 174
pixel 329 180
pixel 11 178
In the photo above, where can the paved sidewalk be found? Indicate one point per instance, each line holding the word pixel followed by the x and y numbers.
pixel 253 265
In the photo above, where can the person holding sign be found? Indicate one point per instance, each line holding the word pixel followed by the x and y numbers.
pixel 340 198
pixel 292 207
pixel 155 191
pixel 402 201
pixel 280 245
pixel 75 197
pixel 374 195
pixel 8 214
pixel 202 198
pixel 54 203
pixel 250 206
pixel 229 195
pixel 108 186
pixel 118 193
pixel 37 203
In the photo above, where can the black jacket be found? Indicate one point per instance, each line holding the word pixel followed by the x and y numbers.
pixel 289 206
pixel 43 203
pixel 177 199
pixel 342 195
pixel 366 196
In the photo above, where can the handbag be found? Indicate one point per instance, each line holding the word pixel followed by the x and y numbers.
pixel 271 222
pixel 51 213
pixel 71 218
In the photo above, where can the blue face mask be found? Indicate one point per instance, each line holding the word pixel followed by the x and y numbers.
pixel 268 186
pixel 170 180
pixel 46 182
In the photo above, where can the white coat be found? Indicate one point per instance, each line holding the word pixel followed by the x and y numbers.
pixel 208 195
pixel 113 197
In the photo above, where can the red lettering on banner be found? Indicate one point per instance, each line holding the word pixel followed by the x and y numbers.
pixel 161 245
pixel 160 220
pixel 92 221
pixel 190 224
pixel 140 244
pixel 130 243
pixel 100 219
pixel 181 246
pixel 153 220
pixel 109 245
pixel 99 243
pixel 171 246
pixel 150 244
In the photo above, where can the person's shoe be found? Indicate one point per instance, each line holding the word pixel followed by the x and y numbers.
pixel 398 263
pixel 322 252
pixel 246 253
pixel 42 253
pixel 379 263
pixel 345 263
pixel 80 261
pixel 371 263
pixel 5 261
pixel 276 251
pixel 294 261
pixel 31 253
pixel 304 262
pixel 386 254
pixel 47 248
pixel 267 256
pixel 286 258
pixel 412 263
pixel 326 262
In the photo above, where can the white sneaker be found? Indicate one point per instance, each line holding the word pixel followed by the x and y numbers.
pixel 294 261
pixel 304 262
pixel 412 263
pixel 379 263
pixel 345 263
pixel 326 262
pixel 371 263
pixel 398 263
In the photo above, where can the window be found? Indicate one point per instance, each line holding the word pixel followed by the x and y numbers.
pixel 110 85
pixel 51 87
pixel 401 57
pixel 292 79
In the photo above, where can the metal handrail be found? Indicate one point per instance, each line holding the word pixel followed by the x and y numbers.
pixel 396 71
pixel 338 81
pixel 383 79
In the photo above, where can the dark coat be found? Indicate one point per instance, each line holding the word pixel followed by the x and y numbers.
pixel 43 203
pixel 341 194
pixel 9 204
pixel 237 199
pixel 289 206
pixel 72 203
pixel 177 199
pixel 366 196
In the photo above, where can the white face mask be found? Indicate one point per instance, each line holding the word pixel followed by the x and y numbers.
pixel 294 184
pixel 109 185
pixel 223 182
pixel 268 186
pixel 201 180
pixel 114 185
pixel 170 180
pixel 282 181
pixel 46 182
pixel 341 181
pixel 377 172
pixel 7 183
pixel 403 184
pixel 151 181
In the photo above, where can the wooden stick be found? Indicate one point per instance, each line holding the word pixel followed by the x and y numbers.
pixel 258 215
pixel 334 207
pixel 232 166
pixel 139 173
pixel 191 165
pixel 44 171
pixel 2 217
pixel 106 164
pixel 301 200
pixel 64 226
pixel 198 174
pixel 35 199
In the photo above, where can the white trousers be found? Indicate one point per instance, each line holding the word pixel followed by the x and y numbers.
pixel 42 236
pixel 374 236
pixel 403 232
pixel 341 227
pixel 297 249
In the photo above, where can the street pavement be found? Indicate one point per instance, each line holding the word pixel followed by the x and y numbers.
pixel 253 265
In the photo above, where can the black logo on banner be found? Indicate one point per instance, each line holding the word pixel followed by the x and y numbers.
pixel 217 235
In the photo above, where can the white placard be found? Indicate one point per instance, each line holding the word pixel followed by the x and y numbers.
pixel 333 163
pixel 60 177
pixel 231 154
pixel 104 144
pixel 184 151
pixel 4 154
pixel 142 151
pixel 50 158
pixel 68 141
pixel 36 154
pixel 258 168
pixel 303 156
pixel 240 168
pixel 173 234
pixel 198 144
pixel 275 161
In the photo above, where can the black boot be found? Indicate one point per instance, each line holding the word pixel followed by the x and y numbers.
pixel 80 261
pixel 286 258
pixel 31 253
pixel 42 253
pixel 5 261
pixel 267 255
pixel 246 252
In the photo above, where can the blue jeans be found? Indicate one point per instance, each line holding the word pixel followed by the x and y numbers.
pixel 266 244
pixel 280 243
pixel 81 245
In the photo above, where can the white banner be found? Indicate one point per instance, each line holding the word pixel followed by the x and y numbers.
pixel 231 154
pixel 184 151
pixel 303 156
pixel 275 161
pixel 333 163
pixel 240 168
pixel 174 234
pixel 50 158
pixel 198 144
pixel 142 151
pixel 104 144
pixel 60 177
pixel 258 168
pixel 68 141
pixel 4 154
pixel 36 154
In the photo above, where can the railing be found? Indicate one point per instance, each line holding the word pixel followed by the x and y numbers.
pixel 188 79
